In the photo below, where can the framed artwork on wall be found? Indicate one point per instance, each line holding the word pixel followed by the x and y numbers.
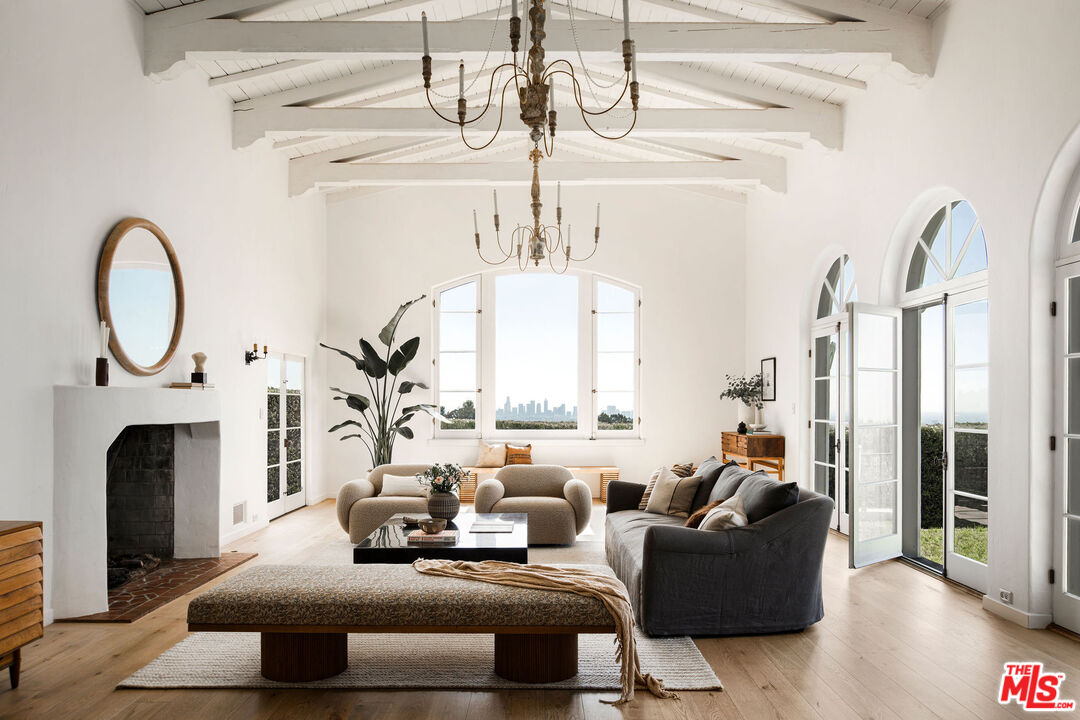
pixel 768 379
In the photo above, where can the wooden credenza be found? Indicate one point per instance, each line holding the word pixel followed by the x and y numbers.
pixel 752 451
pixel 21 612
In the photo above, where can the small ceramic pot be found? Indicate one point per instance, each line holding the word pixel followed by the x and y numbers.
pixel 443 505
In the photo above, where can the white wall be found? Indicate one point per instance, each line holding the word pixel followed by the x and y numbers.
pixel 685 250
pixel 989 125
pixel 86 140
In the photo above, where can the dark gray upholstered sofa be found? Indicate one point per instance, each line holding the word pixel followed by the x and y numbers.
pixel 761 578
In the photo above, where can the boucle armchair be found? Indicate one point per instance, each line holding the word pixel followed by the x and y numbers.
pixel 558 505
pixel 361 510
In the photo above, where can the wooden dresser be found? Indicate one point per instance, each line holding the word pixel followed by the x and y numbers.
pixel 21 618
pixel 752 451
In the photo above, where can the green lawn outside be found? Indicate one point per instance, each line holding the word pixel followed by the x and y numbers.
pixel 971 542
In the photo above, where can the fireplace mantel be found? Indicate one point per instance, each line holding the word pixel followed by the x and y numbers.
pixel 86 420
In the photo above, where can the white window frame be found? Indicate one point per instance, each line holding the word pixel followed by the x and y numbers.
pixel 486 402
pixel 929 293
pixel 436 296
pixel 846 294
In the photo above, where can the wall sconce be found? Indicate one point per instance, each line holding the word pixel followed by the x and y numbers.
pixel 252 355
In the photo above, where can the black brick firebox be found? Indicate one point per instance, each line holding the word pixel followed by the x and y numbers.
pixel 139 496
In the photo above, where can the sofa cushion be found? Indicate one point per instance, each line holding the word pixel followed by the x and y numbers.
pixel 493 455
pixel 698 515
pixel 672 494
pixel 519 454
pixel 762 496
pixel 684 470
pixel 729 514
pixel 731 477
pixel 401 486
pixel 709 472
pixel 552 521
pixel 624 545
pixel 644 503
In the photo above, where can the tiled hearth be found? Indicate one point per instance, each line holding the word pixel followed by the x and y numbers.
pixel 164 584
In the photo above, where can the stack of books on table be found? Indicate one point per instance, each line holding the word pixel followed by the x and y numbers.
pixel 443 537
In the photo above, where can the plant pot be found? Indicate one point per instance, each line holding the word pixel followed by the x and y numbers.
pixel 443 505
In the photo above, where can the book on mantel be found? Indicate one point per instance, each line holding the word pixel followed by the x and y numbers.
pixel 444 536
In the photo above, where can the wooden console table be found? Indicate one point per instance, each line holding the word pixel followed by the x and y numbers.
pixel 21 619
pixel 757 449
pixel 607 473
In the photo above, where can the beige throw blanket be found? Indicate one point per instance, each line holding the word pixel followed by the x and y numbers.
pixel 607 589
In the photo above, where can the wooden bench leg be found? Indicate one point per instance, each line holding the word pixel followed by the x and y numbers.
pixel 536 658
pixel 302 657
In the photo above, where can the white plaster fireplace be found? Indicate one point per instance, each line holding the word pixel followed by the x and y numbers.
pixel 86 421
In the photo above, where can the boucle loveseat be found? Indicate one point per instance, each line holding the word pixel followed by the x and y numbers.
pixel 361 509
pixel 559 506
pixel 761 578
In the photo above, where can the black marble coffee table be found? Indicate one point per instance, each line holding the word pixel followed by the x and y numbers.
pixel 389 543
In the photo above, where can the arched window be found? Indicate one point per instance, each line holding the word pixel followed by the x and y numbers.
pixel 838 288
pixel 520 355
pixel 946 334
pixel 951 246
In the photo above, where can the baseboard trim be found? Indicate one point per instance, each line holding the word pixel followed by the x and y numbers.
pixel 231 537
pixel 1031 621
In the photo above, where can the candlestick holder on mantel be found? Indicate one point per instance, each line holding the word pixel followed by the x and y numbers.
pixel 252 355
pixel 101 365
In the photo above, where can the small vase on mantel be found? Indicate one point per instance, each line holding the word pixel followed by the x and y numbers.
pixel 443 505
pixel 746 414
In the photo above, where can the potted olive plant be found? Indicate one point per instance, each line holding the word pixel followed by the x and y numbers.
pixel 748 392
pixel 443 481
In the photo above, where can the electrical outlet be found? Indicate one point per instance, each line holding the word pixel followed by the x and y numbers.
pixel 1006 596
pixel 262 412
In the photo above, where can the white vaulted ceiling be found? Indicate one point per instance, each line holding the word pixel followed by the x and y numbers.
pixel 729 88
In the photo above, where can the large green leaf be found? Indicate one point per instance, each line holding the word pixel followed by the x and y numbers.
pixel 403 355
pixel 355 401
pixel 359 362
pixel 388 332
pixel 408 385
pixel 373 364
pixel 405 432
pixel 403 419
pixel 345 424
pixel 432 410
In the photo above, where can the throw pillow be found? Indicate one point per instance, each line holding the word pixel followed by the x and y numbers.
pixel 401 486
pixel 518 454
pixel 731 477
pixel 685 470
pixel 709 471
pixel 698 515
pixel 491 455
pixel 672 494
pixel 726 515
pixel 763 496
pixel 648 490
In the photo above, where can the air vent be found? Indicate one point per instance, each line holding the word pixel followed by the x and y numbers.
pixel 239 512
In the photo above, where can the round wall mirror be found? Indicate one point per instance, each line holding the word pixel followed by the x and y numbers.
pixel 140 295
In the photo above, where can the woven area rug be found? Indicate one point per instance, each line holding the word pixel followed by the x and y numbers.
pixel 442 661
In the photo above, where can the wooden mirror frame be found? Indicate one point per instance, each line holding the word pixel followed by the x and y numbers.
pixel 105 265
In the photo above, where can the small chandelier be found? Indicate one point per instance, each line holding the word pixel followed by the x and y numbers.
pixel 537 241
pixel 535 82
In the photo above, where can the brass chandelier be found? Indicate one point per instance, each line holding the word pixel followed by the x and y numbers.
pixel 534 80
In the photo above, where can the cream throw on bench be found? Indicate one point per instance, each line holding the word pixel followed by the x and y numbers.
pixel 580 581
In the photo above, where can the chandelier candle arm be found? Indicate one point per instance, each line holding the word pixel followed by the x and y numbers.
pixel 626 19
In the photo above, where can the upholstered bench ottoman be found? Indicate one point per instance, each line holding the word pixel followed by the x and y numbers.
pixel 305 613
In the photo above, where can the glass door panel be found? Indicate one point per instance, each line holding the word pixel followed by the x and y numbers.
pixel 285 477
pixel 829 426
pixel 874 476
pixel 931 475
pixel 967 402
pixel 1067 431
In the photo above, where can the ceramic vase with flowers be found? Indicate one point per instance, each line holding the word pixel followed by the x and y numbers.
pixel 748 392
pixel 443 483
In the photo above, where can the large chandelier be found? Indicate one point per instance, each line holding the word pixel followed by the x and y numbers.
pixel 537 241
pixel 535 82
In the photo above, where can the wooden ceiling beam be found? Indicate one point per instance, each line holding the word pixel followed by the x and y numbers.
pixel 505 174
pixel 166 48
pixel 419 122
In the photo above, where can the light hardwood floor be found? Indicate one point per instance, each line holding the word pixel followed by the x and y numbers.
pixel 895 643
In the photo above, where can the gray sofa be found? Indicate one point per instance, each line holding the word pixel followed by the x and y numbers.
pixel 761 578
